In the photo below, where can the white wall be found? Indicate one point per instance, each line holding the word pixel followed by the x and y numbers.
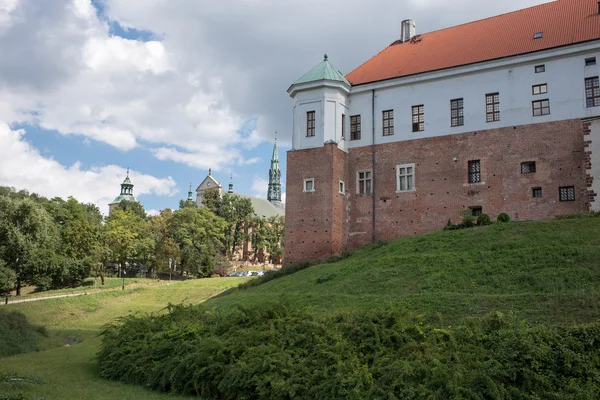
pixel 329 104
pixel 513 79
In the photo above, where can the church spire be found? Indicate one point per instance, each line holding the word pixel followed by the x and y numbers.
pixel 190 194
pixel 274 194
pixel 230 184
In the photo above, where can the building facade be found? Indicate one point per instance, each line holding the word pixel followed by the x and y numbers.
pixel 498 115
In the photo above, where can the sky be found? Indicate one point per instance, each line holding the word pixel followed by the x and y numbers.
pixel 171 88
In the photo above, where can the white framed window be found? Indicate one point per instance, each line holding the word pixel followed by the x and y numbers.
pixel 364 182
pixel 309 185
pixel 342 187
pixel 405 178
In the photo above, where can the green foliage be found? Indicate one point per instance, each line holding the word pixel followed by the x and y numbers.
pixel 17 335
pixel 8 279
pixel 589 214
pixel 503 217
pixel 483 219
pixel 276 351
pixel 133 206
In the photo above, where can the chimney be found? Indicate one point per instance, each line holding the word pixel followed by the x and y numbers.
pixel 408 30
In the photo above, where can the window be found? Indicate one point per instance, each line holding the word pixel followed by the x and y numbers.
pixel 474 171
pixel 355 127
pixel 590 61
pixel 592 92
pixel 476 211
pixel 566 193
pixel 388 122
pixel 342 187
pixel 539 89
pixel 364 182
pixel 310 123
pixel 528 167
pixel 405 178
pixel 540 68
pixel 492 107
pixel 309 185
pixel 541 107
pixel 536 192
pixel 343 127
pixel 538 35
pixel 457 116
pixel 418 118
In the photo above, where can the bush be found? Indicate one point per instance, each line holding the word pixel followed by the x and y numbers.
pixel 483 219
pixel 276 351
pixel 503 217
pixel 589 214
pixel 468 221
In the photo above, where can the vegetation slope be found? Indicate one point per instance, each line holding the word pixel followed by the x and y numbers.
pixel 506 311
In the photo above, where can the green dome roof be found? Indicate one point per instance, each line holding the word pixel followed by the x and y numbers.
pixel 122 197
pixel 323 71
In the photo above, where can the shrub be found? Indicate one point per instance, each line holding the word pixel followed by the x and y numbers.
pixel 17 335
pixel 483 219
pixel 503 217
pixel 468 221
pixel 589 214
pixel 276 351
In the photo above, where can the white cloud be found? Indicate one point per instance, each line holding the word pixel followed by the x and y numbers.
pixel 153 213
pixel 23 167
pixel 259 187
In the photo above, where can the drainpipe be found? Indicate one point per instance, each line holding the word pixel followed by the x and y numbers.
pixel 374 238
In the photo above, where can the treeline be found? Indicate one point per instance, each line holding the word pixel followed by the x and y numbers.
pixel 55 243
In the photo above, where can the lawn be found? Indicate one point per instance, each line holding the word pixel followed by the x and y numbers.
pixel 66 368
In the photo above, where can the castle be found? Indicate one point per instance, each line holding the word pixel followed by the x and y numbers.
pixel 496 115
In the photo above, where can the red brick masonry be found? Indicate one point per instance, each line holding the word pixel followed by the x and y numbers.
pixel 325 222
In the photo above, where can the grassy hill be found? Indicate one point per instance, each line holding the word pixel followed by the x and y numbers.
pixel 65 366
pixel 419 317
pixel 541 271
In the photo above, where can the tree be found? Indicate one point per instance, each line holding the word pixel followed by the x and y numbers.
pixel 8 279
pixel 236 211
pixel 133 206
pixel 128 238
pixel 259 236
pixel 199 234
pixel 165 246
pixel 212 200
pixel 275 235
pixel 26 230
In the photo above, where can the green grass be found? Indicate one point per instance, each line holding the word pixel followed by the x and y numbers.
pixel 545 271
pixel 67 368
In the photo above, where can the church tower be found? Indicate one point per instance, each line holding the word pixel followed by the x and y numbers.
pixel 316 200
pixel 274 194
pixel 126 193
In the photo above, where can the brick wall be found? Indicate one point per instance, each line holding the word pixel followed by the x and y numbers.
pixel 315 225
pixel 441 178
pixel 325 222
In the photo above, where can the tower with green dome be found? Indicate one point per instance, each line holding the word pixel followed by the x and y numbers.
pixel 126 193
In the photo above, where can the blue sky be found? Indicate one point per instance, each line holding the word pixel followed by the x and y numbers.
pixel 170 89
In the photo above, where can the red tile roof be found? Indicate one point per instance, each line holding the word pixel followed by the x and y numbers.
pixel 562 22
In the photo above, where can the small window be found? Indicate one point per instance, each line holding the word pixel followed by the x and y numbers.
pixel 540 107
pixel 355 127
pixel 343 127
pixel 592 92
pixel 528 167
pixel 536 192
pixel 388 122
pixel 418 118
pixel 364 182
pixel 309 185
pixel 566 193
pixel 310 123
pixel 538 35
pixel 476 211
pixel 540 68
pixel 457 116
pixel 342 187
pixel 492 107
pixel 474 171
pixel 590 61
pixel 539 89
pixel 405 178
